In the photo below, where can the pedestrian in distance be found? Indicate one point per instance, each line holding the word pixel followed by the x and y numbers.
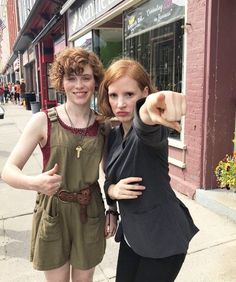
pixel 155 227
pixel 22 91
pixel 69 222
pixel 6 93
pixel 17 92
pixel 2 94
pixel 12 92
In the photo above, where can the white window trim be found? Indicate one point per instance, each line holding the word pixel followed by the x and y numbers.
pixel 176 162
pixel 176 144
pixel 179 145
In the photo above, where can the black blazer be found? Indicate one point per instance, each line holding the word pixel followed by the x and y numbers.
pixel 156 224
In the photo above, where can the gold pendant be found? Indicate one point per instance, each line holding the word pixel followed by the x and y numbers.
pixel 78 149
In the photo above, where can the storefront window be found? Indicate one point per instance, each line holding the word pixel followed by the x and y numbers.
pixel 107 44
pixel 139 48
pixel 154 37
pixel 160 51
pixel 85 41
pixel 51 90
pixel 109 41
pixel 167 57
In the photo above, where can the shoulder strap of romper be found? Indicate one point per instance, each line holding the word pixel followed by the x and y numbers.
pixel 52 114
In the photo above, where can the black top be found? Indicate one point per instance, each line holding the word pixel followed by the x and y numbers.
pixel 156 224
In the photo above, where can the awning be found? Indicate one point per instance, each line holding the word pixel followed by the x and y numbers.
pixel 47 28
pixel 66 6
pixel 22 40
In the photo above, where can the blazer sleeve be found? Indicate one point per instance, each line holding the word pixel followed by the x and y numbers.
pixel 110 139
pixel 109 201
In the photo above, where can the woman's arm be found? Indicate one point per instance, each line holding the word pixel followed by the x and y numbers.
pixel 34 133
pixel 165 108
pixel 127 188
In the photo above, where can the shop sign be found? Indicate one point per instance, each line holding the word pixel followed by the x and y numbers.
pixel 152 14
pixel 16 64
pixel 25 58
pixel 83 12
pixel 31 54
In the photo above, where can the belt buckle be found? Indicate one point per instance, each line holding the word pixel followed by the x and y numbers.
pixel 58 195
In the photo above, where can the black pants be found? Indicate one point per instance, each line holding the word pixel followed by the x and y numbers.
pixel 134 268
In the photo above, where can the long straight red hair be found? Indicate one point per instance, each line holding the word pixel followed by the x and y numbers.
pixel 118 69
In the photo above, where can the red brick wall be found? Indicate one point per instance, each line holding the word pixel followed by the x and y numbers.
pixel 221 89
pixel 210 90
pixel 12 22
pixel 188 179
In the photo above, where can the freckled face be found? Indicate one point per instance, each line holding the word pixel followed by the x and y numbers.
pixel 123 95
pixel 79 88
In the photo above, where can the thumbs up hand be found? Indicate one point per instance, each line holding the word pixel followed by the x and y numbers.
pixel 48 182
pixel 165 108
pixel 53 171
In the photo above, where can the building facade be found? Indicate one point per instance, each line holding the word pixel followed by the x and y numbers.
pixel 186 46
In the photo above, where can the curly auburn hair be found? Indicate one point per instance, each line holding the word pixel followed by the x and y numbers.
pixel 72 61
pixel 118 69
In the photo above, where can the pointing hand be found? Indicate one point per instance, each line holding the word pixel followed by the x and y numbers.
pixel 164 107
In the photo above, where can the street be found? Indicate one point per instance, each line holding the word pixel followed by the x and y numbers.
pixel 212 252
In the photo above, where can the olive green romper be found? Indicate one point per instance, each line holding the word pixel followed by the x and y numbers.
pixel 58 236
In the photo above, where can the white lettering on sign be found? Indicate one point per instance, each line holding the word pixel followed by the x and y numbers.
pixel 103 5
pixel 87 12
pixel 156 9
pixel 83 15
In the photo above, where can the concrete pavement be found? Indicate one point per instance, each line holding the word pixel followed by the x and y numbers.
pixel 212 252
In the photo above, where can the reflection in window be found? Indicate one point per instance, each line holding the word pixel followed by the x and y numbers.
pixel 85 41
pixel 160 51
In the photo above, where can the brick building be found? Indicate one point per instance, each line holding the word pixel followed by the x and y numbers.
pixel 210 87
pixel 185 45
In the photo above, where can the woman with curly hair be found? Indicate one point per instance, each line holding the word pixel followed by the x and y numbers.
pixel 69 225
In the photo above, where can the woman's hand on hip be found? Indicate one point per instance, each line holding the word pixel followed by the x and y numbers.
pixel 127 188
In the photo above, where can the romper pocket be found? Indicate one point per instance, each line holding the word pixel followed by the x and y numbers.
pixel 94 229
pixel 49 227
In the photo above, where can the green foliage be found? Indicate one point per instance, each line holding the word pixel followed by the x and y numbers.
pixel 225 171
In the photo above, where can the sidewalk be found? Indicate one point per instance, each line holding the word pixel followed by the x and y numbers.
pixel 212 252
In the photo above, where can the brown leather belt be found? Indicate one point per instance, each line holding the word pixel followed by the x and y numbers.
pixel 83 197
